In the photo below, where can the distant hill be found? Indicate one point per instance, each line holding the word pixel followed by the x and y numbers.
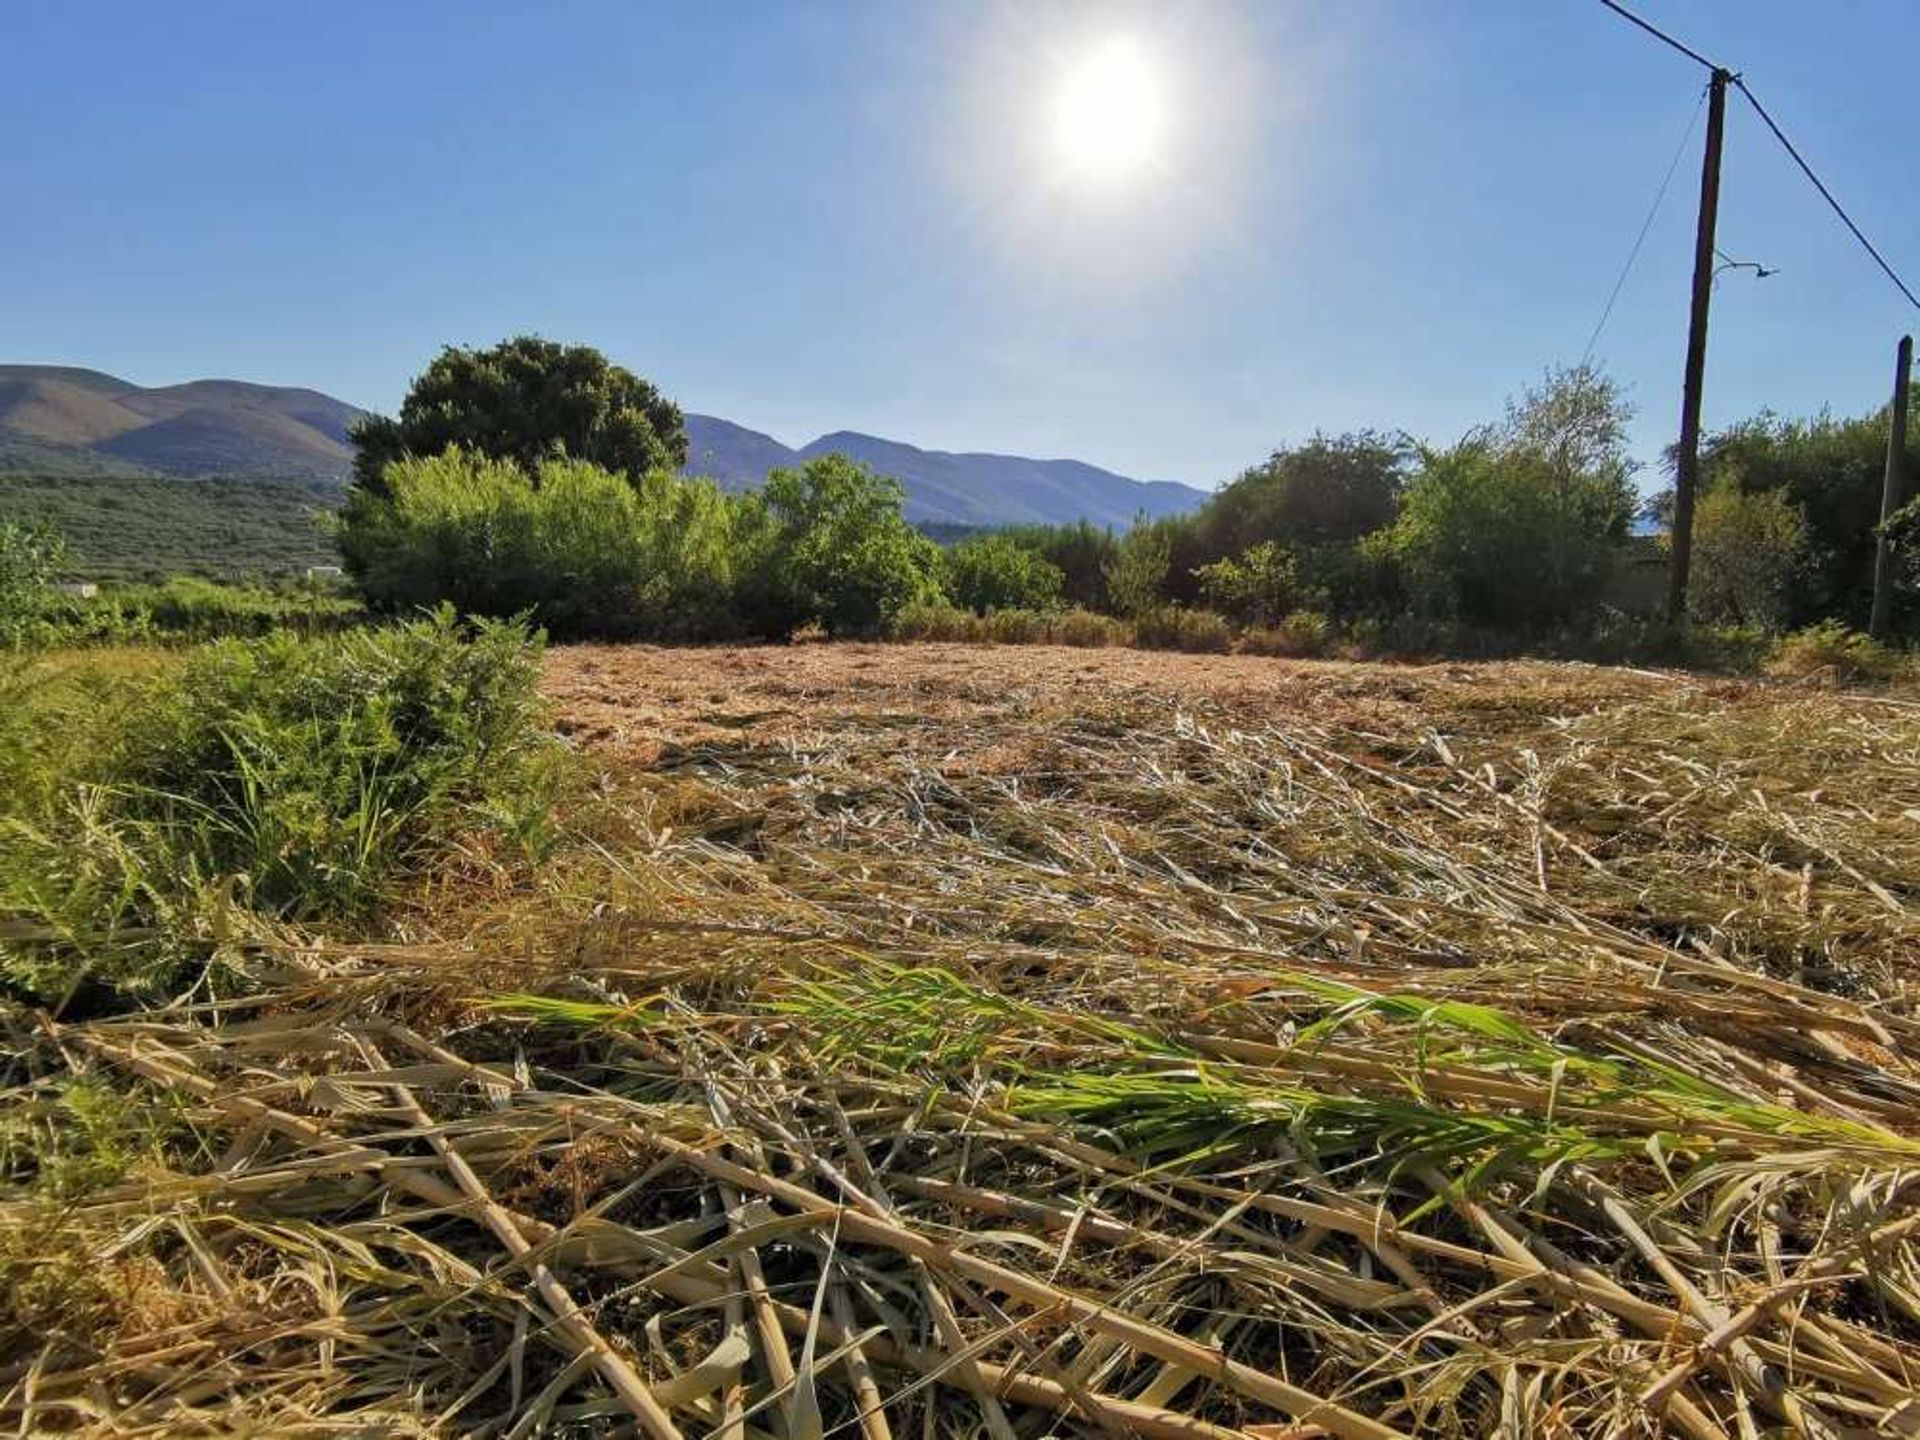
pixel 945 488
pixel 57 419
pixel 60 420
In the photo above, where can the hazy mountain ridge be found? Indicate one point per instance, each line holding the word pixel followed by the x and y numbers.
pixel 85 422
pixel 65 420
pixel 943 486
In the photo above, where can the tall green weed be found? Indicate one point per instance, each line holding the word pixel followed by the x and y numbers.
pixel 262 782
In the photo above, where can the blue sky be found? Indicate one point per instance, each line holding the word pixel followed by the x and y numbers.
pixel 827 215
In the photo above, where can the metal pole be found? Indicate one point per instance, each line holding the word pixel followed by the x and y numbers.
pixel 1686 478
pixel 1893 491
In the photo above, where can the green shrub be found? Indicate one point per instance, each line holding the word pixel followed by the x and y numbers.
pixel 31 554
pixel 581 549
pixel 1175 627
pixel 523 401
pixel 1828 470
pixel 1737 649
pixel 1749 549
pixel 282 779
pixel 185 608
pixel 1017 627
pixel 994 572
pixel 1085 629
pixel 827 545
pixel 1323 495
pixel 196 609
pixel 1256 589
pixel 1831 651
pixel 587 552
pixel 1080 628
pixel 1303 633
pixel 1081 553
pixel 1496 537
pixel 1136 572
pixel 926 621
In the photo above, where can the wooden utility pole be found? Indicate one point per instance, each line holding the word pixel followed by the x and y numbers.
pixel 1686 477
pixel 1893 493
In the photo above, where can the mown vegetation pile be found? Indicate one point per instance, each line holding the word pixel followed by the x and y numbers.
pixel 1491 1050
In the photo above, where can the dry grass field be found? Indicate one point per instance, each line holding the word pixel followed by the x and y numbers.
pixel 952 1040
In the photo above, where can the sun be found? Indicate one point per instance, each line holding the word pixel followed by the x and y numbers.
pixel 1109 114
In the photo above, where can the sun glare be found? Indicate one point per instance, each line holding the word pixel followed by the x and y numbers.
pixel 1109 116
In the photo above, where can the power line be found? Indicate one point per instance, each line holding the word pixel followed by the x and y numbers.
pixel 1660 35
pixel 1645 226
pixel 1825 193
pixel 1778 134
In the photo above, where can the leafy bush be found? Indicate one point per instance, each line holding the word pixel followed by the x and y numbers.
pixel 587 552
pixel 1080 628
pixel 31 553
pixel 1739 649
pixel 282 779
pixel 1176 627
pixel 827 545
pixel 1302 634
pixel 1748 550
pixel 1085 629
pixel 1017 627
pixel 1497 537
pixel 1903 533
pixel 1080 552
pixel 1256 589
pixel 995 572
pixel 1832 471
pixel 581 549
pixel 1325 494
pixel 936 621
pixel 1831 651
pixel 195 609
pixel 1136 572
pixel 185 608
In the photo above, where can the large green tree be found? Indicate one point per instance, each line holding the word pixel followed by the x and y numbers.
pixel 526 400
pixel 1330 491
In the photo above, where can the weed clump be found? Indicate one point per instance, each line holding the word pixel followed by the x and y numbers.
pixel 1831 651
pixel 1304 633
pixel 1086 629
pixel 1175 627
pixel 275 780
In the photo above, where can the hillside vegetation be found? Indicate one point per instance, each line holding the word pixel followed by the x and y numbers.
pixel 146 528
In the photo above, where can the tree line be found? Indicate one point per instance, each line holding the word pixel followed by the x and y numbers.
pixel 539 479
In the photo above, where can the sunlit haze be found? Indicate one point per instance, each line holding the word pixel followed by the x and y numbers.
pixel 1109 117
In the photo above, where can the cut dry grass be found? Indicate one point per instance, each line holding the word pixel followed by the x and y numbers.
pixel 1520 1051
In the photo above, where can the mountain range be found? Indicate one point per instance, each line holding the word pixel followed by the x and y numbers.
pixel 62 420
pixel 944 487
